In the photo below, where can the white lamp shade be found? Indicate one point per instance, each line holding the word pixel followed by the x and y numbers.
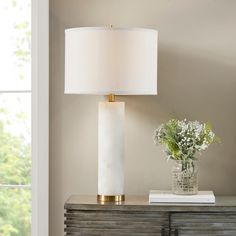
pixel 111 60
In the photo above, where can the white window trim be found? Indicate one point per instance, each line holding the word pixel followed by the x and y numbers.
pixel 40 118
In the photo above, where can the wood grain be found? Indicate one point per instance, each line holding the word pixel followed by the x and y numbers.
pixel 84 216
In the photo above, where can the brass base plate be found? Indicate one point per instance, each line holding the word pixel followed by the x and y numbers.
pixel 114 198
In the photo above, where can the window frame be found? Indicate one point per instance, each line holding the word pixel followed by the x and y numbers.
pixel 40 117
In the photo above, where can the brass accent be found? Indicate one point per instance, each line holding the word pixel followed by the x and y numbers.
pixel 111 97
pixel 106 198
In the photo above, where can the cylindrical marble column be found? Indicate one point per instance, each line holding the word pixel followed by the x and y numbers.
pixel 111 150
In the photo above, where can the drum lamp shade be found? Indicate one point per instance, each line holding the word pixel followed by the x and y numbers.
pixel 107 60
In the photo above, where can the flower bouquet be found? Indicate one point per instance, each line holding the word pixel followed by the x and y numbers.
pixel 182 140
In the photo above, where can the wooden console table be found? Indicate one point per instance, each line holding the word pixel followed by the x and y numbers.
pixel 84 216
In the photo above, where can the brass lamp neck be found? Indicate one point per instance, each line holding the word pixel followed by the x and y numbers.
pixel 111 97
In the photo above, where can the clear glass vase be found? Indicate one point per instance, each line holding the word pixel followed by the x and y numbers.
pixel 185 177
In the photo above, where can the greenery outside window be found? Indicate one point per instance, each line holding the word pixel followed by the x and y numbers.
pixel 15 118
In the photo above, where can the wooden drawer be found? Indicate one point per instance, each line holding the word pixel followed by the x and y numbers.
pixel 203 224
pixel 116 223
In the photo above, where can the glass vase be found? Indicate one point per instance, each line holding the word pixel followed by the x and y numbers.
pixel 185 177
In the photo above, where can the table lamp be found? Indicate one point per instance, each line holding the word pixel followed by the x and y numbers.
pixel 111 61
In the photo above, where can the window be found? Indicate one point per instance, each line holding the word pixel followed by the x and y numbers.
pixel 24 196
pixel 15 118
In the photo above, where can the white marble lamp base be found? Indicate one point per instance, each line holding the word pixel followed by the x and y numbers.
pixel 111 151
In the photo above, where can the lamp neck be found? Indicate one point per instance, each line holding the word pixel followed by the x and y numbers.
pixel 111 97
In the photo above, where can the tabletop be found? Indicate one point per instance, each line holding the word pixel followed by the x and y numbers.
pixel 138 202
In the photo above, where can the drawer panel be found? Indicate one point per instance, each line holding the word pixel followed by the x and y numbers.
pixel 203 224
pixel 106 223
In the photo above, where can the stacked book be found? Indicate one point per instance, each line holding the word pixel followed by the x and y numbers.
pixel 203 197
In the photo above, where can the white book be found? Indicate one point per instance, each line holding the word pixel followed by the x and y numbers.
pixel 158 196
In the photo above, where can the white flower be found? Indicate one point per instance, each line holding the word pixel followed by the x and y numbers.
pixel 189 136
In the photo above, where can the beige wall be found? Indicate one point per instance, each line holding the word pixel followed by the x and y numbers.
pixel 196 80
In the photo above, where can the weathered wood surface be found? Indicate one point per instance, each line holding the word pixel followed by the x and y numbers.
pixel 83 202
pixel 204 223
pixel 115 223
pixel 84 216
